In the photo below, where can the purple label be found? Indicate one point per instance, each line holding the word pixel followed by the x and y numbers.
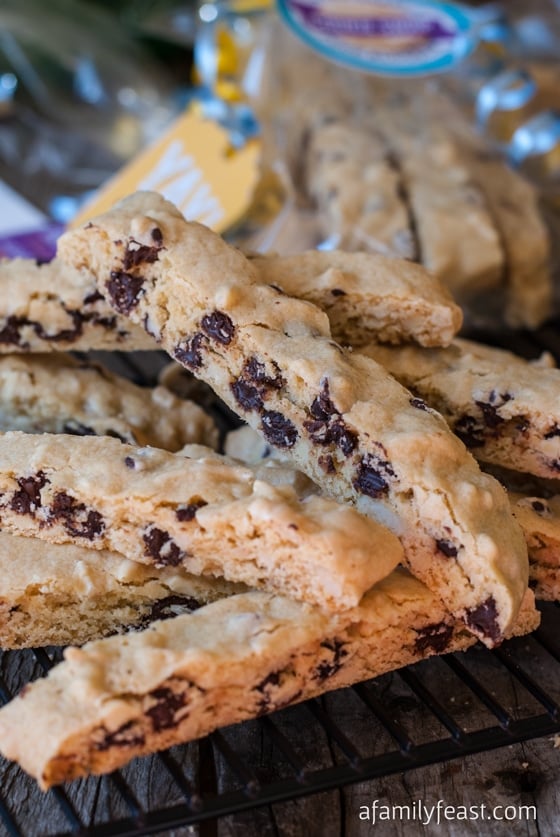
pixel 37 244
pixel 362 27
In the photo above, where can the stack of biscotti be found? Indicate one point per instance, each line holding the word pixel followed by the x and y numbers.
pixel 408 177
pixel 397 486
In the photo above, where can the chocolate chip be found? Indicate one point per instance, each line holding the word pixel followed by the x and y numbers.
pixel 539 506
pixel 188 512
pixel 449 549
pixel 157 236
pixel 160 546
pixel 96 296
pixel 327 464
pixel 338 292
pixel 79 521
pixel 256 371
pixel 418 403
pixel 483 619
pixel 327 668
pixel 322 407
pixel 167 703
pixel 434 638
pixel 137 254
pixel 28 499
pixel 10 332
pixel 246 395
pixel 76 428
pixel 490 414
pixel 129 462
pixel 163 608
pixel 128 735
pixel 469 431
pixel 552 432
pixel 278 429
pixel 272 679
pixel 188 351
pixel 372 476
pixel 219 327
pixel 124 290
pixel 344 438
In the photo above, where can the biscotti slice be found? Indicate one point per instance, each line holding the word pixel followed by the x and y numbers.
pixel 513 202
pixel 67 594
pixel 356 191
pixel 50 307
pixel 340 416
pixel 539 517
pixel 504 408
pixel 367 296
pixel 57 394
pixel 458 239
pixel 206 515
pixel 232 660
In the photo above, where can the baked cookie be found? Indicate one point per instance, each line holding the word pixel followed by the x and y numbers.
pixel 458 239
pixel 367 296
pixel 356 191
pixel 340 416
pixel 504 408
pixel 235 659
pixel 539 517
pixel 67 594
pixel 513 202
pixel 57 394
pixel 206 515
pixel 50 307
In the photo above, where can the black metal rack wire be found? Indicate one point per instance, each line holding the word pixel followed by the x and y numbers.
pixel 417 716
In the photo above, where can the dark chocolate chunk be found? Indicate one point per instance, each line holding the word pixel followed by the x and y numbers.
pixel 219 327
pixel 10 331
pixel 278 429
pixel 137 253
pixel 129 462
pixel 95 296
pixel 318 431
pixel 490 414
pixel 163 608
pixel 322 407
pixel 163 712
pixel 435 638
pixel 124 290
pixel 160 546
pixel 418 403
pixel 469 431
pixel 327 668
pixel 256 371
pixel 272 679
pixel 344 438
pixel 76 428
pixel 188 512
pixel 338 292
pixel 278 289
pixel 129 735
pixel 188 351
pixel 247 396
pixel 552 432
pixel 483 619
pixel 539 506
pixel 28 499
pixel 449 549
pixel 372 476
pixel 79 521
pixel 157 236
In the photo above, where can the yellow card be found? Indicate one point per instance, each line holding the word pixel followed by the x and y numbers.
pixel 194 166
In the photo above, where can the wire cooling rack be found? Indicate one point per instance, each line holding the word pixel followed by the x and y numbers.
pixel 440 709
